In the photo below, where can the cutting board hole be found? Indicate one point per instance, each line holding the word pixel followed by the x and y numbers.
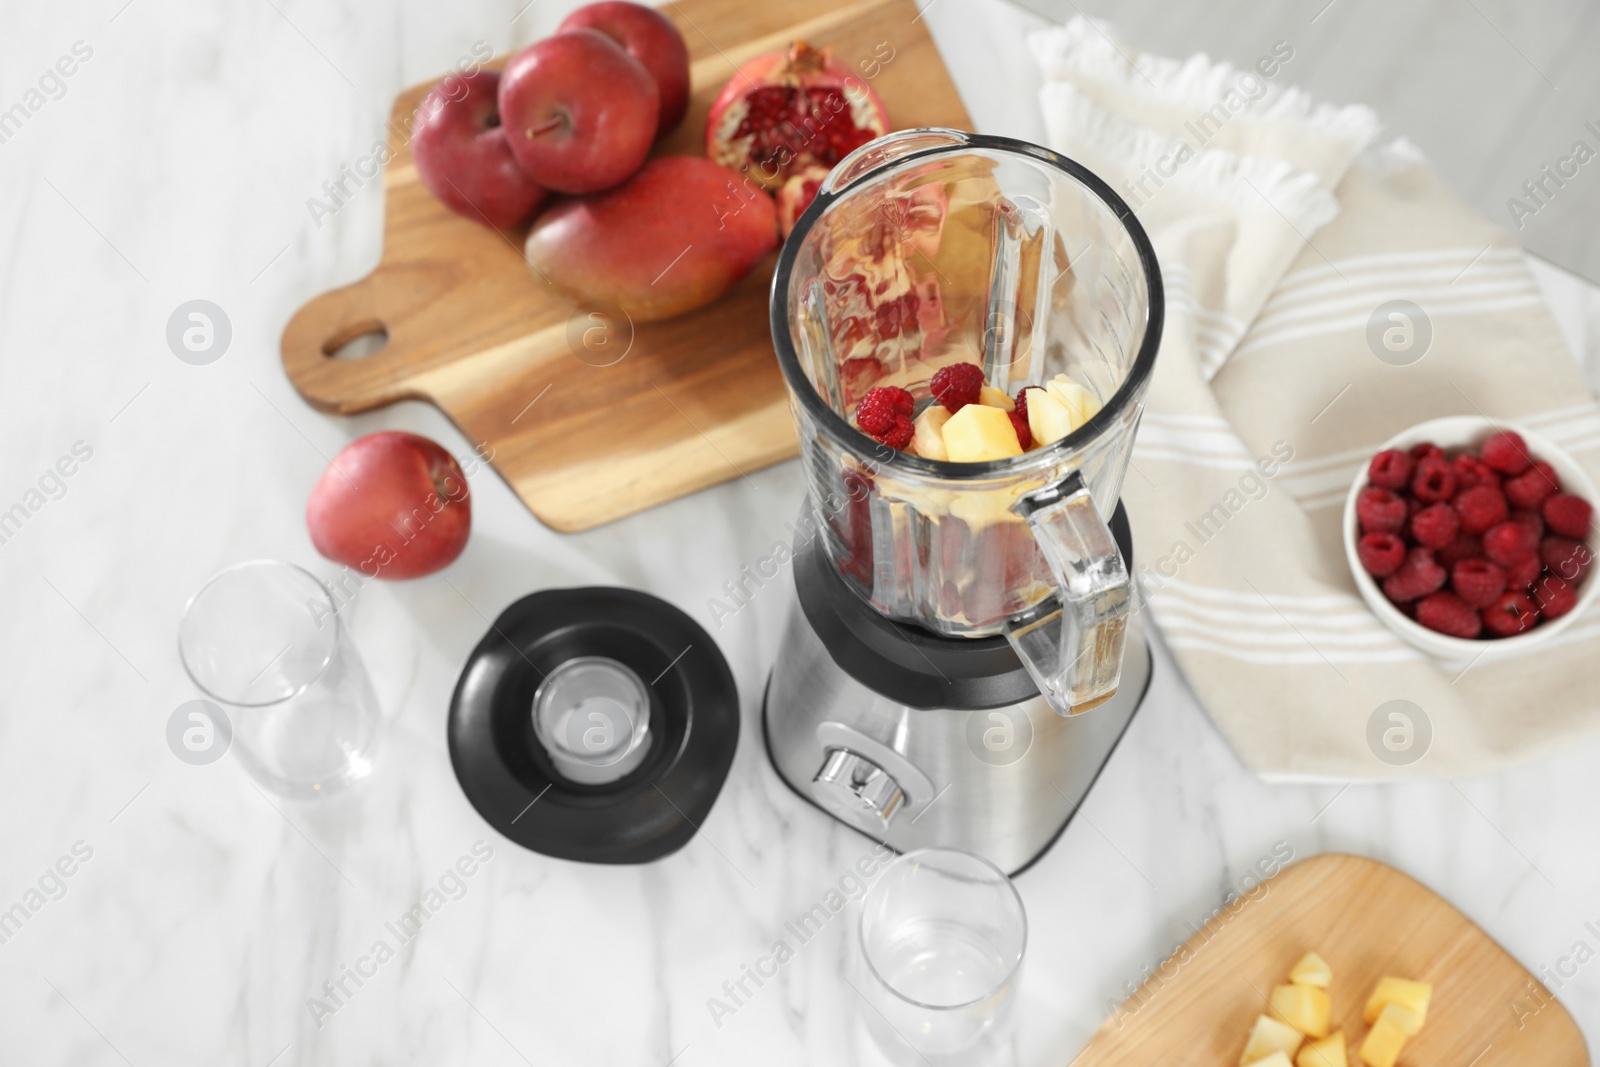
pixel 357 342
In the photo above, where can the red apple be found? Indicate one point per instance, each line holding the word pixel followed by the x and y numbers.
pixel 462 156
pixel 391 505
pixel 650 37
pixel 579 112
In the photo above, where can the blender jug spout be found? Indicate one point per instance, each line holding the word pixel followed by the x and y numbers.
pixel 1072 643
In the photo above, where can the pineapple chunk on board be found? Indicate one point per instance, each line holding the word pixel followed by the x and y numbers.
pixel 1304 1007
pixel 1277 1059
pixel 1328 1052
pixel 1401 991
pixel 1270 1036
pixel 1312 970
pixel 1388 1036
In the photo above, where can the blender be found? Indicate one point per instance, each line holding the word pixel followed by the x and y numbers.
pixel 963 653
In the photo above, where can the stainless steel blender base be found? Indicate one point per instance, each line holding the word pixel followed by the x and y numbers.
pixel 1001 782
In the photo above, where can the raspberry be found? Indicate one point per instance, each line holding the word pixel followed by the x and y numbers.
pixel 1533 486
pixel 885 414
pixel 1506 452
pixel 1418 576
pixel 1379 510
pixel 957 385
pixel 1433 480
pixel 899 435
pixel 1022 401
pixel 1567 559
pixel 1479 508
pixel 1019 423
pixel 1426 450
pixel 1435 525
pixel 1530 519
pixel 1412 507
pixel 1554 597
pixel 1510 542
pixel 1463 547
pixel 1512 614
pixel 1381 553
pixel 1568 515
pixel 1523 573
pixel 1472 471
pixel 1390 469
pixel 1447 613
pixel 1478 582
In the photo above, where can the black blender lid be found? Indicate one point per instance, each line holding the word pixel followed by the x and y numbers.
pixel 650 811
pixel 906 663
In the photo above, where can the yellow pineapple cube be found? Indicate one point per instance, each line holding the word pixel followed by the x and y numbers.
pixel 1312 970
pixel 1401 991
pixel 989 396
pixel 1328 1052
pixel 1387 1036
pixel 976 434
pixel 1304 1007
pixel 1277 1059
pixel 1048 418
pixel 927 437
pixel 1269 1035
pixel 1074 397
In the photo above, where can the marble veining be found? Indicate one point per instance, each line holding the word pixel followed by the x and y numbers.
pixel 177 165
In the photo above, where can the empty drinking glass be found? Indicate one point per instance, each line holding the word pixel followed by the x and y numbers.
pixel 942 939
pixel 266 639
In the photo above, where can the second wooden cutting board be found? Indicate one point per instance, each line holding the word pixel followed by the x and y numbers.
pixel 581 435
pixel 1367 920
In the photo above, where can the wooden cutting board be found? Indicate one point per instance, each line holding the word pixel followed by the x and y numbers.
pixel 1367 920
pixel 696 400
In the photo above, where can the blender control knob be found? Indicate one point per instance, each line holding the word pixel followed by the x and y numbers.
pixel 857 789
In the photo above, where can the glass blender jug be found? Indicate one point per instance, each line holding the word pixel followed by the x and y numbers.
pixel 932 247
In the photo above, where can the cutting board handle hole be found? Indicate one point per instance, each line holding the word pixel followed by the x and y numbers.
pixel 357 341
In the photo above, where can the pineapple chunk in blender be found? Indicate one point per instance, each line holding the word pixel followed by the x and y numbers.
pixel 1048 418
pixel 1062 406
pixel 977 433
pixel 1304 1007
pixel 1413 996
pixel 1388 1035
pixel 1077 400
pixel 1312 970
pixel 989 396
pixel 1270 1037
pixel 1328 1052
pixel 1277 1059
pixel 927 437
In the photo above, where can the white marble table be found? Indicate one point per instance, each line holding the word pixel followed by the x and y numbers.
pixel 177 165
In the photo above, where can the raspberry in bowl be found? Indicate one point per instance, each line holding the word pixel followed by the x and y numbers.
pixel 1472 538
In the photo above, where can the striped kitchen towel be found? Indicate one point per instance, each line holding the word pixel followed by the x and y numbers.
pixel 1282 227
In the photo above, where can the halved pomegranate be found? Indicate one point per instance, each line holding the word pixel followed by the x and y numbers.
pixel 784 110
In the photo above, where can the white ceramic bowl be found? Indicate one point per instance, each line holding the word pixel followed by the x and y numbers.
pixel 1453 434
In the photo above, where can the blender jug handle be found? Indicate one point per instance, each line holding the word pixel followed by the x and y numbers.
pixel 1072 646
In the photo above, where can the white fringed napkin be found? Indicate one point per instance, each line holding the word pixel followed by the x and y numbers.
pixel 1280 230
